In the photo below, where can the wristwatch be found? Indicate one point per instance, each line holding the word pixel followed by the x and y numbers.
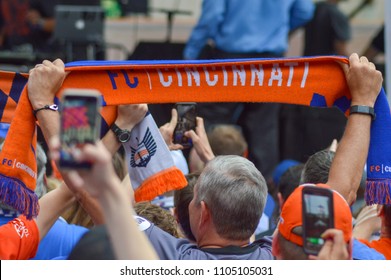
pixel 123 135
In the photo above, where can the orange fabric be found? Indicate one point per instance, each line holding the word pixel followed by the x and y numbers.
pixel 383 246
pixel 291 216
pixel 19 239
pixel 161 182
pixel 287 80
pixel 18 166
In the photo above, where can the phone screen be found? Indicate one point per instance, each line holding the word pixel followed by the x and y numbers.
pixel 186 121
pixel 318 216
pixel 80 124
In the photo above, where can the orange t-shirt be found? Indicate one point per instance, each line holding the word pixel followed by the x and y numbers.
pixel 383 246
pixel 19 239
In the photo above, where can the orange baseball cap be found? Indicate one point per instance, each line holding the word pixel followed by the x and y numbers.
pixel 291 216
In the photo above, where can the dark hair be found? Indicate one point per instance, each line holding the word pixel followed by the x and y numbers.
pixel 93 245
pixel 317 168
pixel 289 180
pixel 182 199
pixel 290 250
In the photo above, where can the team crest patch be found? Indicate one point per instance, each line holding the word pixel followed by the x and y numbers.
pixel 145 150
pixel 142 223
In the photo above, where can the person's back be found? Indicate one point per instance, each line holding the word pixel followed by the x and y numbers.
pixel 250 26
pixel 328 32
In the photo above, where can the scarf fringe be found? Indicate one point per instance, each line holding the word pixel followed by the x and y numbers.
pixel 15 194
pixel 160 183
pixel 378 192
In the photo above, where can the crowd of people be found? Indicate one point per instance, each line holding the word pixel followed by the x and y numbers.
pixel 233 172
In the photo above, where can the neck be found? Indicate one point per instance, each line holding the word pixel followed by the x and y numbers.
pixel 221 243
pixel 385 232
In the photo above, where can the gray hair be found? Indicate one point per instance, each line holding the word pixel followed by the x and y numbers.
pixel 235 192
pixel 40 188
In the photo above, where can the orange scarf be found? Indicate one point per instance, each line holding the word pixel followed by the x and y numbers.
pixel 311 81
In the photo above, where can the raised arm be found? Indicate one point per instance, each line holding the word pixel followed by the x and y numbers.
pixel 127 118
pixel 44 82
pixel 346 170
pixel 102 183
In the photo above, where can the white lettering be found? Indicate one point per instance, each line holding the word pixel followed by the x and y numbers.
pixel 225 75
pixel 305 75
pixel 257 73
pixel 193 74
pixel 27 169
pixel 161 77
pixel 291 72
pixel 178 73
pixel 241 73
pixel 276 75
pixel 210 82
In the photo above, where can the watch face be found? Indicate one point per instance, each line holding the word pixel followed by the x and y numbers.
pixel 124 136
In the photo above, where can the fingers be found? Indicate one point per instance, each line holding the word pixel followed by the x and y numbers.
pixel 363 59
pixel 75 179
pixel 200 124
pixel 333 146
pixel 54 148
pixel 354 59
pixel 194 137
pixel 94 153
pixel 58 62
pixel 174 118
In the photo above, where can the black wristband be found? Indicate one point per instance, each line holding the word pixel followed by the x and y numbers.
pixel 365 110
pixel 52 107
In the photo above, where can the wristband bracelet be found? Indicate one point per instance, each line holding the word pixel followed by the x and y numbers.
pixel 52 107
pixel 365 110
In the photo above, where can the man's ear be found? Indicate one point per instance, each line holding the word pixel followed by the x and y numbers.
pixel 205 214
pixel 276 247
pixel 280 200
pixel 175 214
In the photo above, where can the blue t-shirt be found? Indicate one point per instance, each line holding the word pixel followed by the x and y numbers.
pixel 59 241
pixel 363 252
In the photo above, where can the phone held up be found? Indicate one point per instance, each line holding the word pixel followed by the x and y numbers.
pixel 187 114
pixel 318 216
pixel 79 123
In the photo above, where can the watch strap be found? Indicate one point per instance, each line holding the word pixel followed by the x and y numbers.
pixel 365 110
pixel 119 133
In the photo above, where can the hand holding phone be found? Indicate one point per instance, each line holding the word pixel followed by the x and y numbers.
pixel 318 216
pixel 79 124
pixel 186 121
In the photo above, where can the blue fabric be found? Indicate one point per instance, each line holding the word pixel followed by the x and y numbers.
pixel 59 241
pixel 250 26
pixel 281 168
pixel 378 190
pixel 363 252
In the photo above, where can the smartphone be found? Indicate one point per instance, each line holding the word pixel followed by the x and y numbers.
pixel 79 123
pixel 187 114
pixel 318 216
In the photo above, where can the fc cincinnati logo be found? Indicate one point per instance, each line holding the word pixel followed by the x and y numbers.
pixel 141 156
